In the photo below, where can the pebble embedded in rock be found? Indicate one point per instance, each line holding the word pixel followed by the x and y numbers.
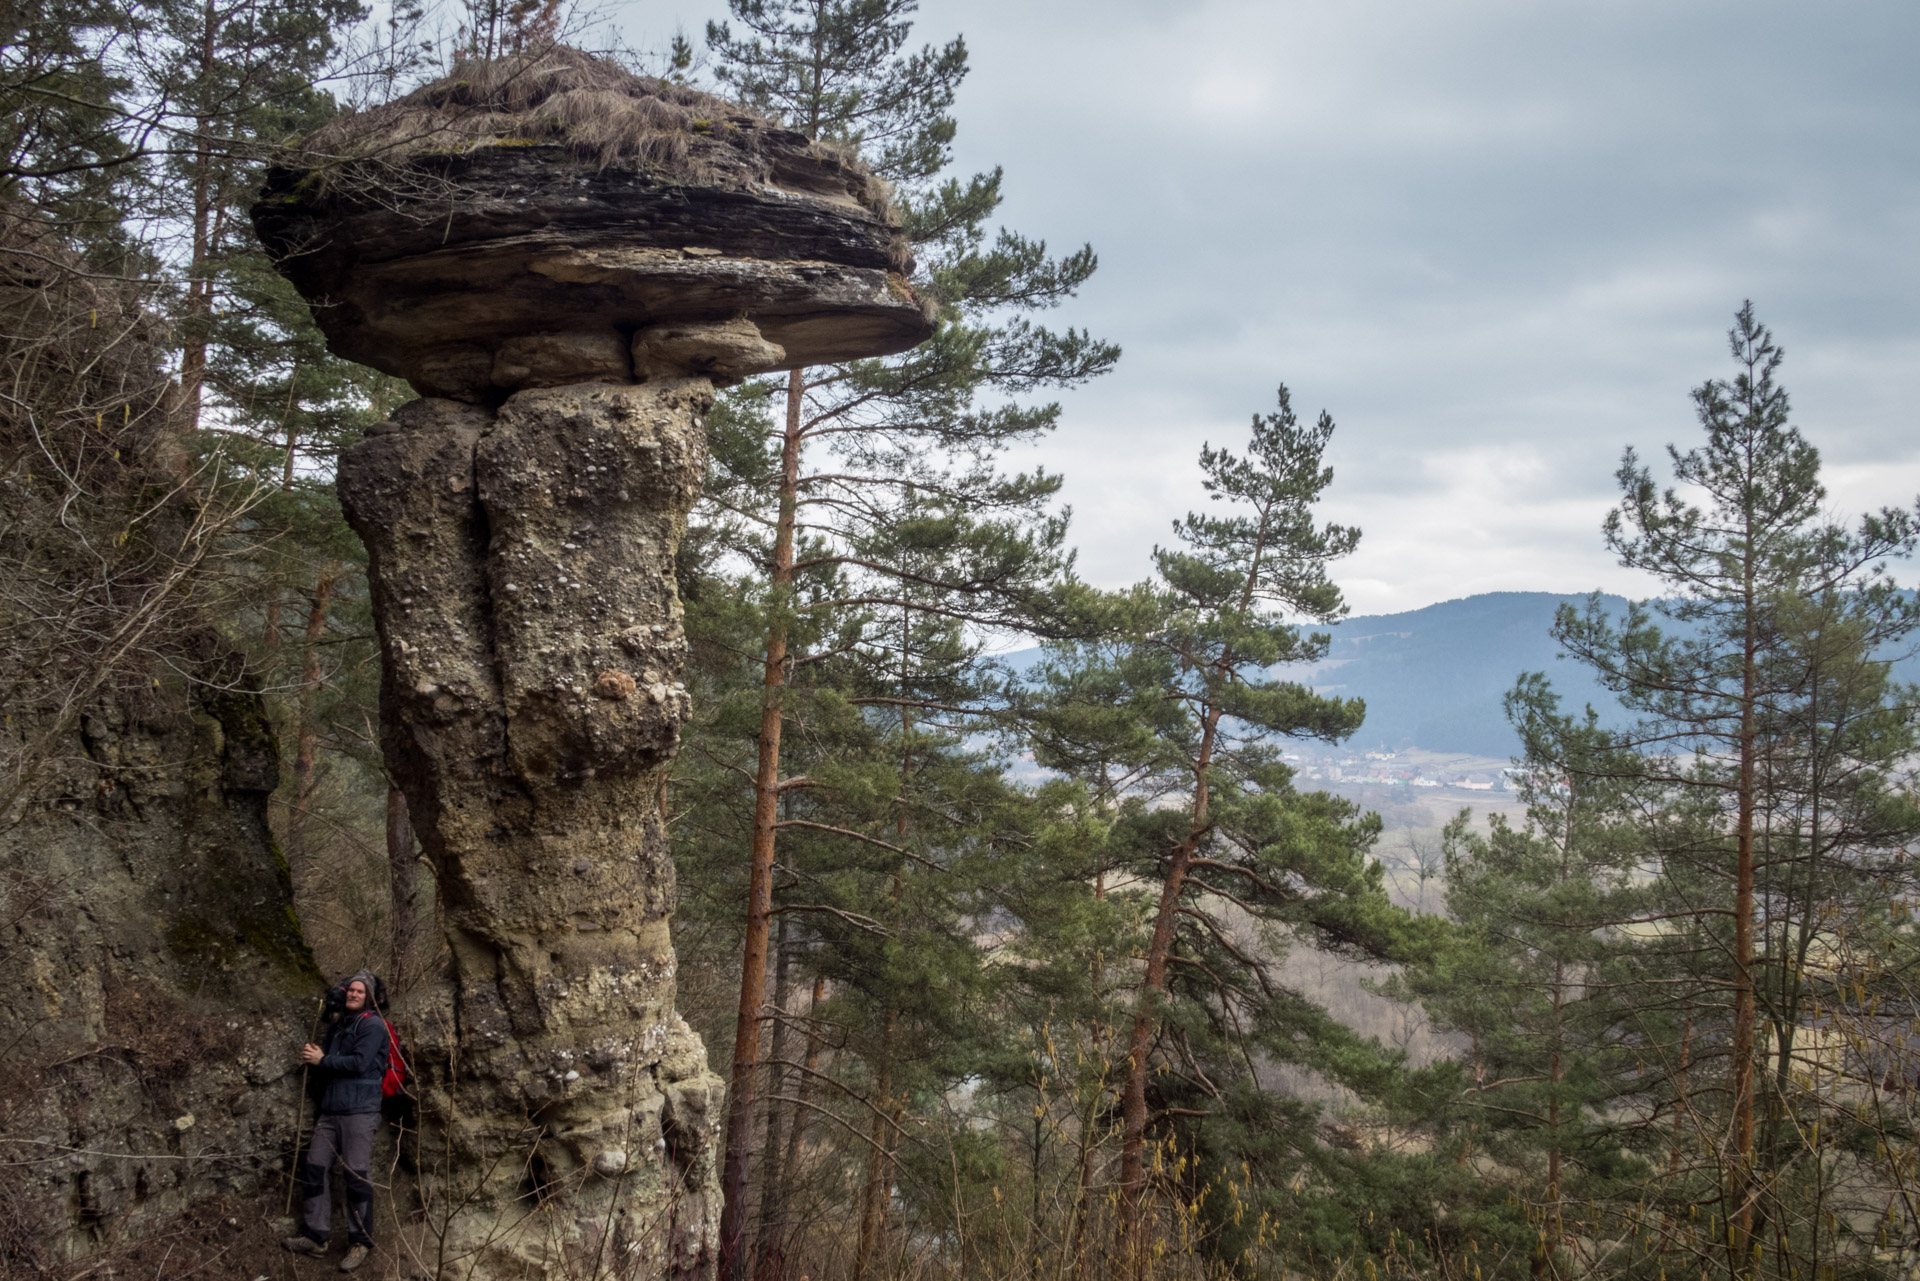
pixel 614 685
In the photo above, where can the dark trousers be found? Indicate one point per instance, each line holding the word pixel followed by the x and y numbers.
pixel 348 1135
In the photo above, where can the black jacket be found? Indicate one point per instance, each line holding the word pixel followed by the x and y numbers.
pixel 354 1059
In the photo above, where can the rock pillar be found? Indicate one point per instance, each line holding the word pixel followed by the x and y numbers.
pixel 522 567
pixel 566 318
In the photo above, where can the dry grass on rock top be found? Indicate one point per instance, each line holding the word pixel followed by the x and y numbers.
pixel 588 105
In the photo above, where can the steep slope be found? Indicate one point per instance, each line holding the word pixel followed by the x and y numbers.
pixel 159 986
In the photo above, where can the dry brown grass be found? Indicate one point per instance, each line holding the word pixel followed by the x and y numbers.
pixel 592 106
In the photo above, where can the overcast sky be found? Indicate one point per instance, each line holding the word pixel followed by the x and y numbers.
pixel 1498 239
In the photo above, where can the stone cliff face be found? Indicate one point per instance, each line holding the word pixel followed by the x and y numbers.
pixel 566 321
pixel 157 986
pixel 156 972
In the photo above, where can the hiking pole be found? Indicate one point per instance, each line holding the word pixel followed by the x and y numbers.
pixel 300 1107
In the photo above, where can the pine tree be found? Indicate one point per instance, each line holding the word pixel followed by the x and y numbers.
pixel 286 407
pixel 1221 623
pixel 906 513
pixel 1533 976
pixel 143 132
pixel 1178 727
pixel 1723 695
pixel 70 142
pixel 240 78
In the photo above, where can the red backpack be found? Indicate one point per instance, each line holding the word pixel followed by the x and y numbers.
pixel 395 1098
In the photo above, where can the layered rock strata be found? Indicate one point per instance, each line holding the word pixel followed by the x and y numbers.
pixel 477 248
pixel 566 324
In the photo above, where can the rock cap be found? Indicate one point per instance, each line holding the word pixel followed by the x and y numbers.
pixel 545 211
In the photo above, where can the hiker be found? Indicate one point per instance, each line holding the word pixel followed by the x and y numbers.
pixel 344 1077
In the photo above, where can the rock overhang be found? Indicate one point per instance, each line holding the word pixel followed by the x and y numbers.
pixel 425 263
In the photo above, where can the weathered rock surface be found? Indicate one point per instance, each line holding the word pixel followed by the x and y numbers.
pixel 157 975
pixel 527 240
pixel 522 569
pixel 729 350
pixel 554 360
pixel 567 320
pixel 157 985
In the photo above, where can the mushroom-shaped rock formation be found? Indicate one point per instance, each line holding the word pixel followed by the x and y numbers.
pixel 564 259
pixel 523 222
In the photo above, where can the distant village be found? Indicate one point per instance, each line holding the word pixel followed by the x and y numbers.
pixel 1395 769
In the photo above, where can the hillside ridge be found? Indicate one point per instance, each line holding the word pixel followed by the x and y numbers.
pixel 1434 677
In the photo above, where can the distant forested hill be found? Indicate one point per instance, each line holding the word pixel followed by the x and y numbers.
pixel 1434 678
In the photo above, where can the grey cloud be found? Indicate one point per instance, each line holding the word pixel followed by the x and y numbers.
pixel 1498 239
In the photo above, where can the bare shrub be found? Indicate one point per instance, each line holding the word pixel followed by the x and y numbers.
pixel 110 533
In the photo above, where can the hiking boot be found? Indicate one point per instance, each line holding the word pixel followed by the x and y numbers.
pixel 356 1256
pixel 301 1243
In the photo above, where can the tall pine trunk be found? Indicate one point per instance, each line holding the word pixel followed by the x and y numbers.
pixel 797 1131
pixel 1797 931
pixel 877 1190
pixel 199 300
pixel 1553 1229
pixel 270 635
pixel 404 879
pixel 1739 1187
pixel 766 1251
pixel 306 736
pixel 1669 1220
pixel 1556 1069
pixel 877 1194
pixel 1097 1036
pixel 1131 1230
pixel 766 797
